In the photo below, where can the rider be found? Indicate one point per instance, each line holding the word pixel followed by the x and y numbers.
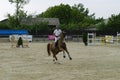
pixel 57 32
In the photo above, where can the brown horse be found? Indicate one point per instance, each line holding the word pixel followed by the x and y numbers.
pixel 61 47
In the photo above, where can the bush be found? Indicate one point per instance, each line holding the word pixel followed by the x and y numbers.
pixel 20 42
pixel 85 39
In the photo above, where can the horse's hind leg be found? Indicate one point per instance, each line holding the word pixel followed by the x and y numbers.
pixel 68 54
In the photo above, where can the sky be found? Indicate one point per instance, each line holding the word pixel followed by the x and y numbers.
pixel 101 8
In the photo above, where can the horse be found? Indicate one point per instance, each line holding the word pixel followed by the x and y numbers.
pixel 55 51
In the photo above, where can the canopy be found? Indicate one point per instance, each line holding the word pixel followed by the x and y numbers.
pixel 11 32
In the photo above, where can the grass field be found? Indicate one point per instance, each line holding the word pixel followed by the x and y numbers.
pixel 33 63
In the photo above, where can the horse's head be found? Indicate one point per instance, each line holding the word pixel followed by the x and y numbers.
pixel 64 34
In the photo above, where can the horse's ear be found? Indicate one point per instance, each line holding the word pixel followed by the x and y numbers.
pixel 63 32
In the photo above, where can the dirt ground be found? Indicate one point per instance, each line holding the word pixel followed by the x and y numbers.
pixel 33 63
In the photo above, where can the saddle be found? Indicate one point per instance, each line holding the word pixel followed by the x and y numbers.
pixel 57 45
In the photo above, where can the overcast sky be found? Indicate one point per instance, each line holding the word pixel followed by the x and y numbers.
pixel 101 8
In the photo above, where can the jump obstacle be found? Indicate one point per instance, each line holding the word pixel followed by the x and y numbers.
pixel 105 40
pixel 14 39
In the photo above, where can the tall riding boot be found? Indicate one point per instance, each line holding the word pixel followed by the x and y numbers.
pixel 55 45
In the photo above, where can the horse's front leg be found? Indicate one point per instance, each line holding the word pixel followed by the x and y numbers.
pixel 54 58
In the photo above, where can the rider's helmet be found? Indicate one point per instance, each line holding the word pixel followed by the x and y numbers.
pixel 57 27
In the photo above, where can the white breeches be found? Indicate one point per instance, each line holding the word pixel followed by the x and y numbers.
pixel 57 38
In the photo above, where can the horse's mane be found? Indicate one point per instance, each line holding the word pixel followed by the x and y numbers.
pixel 61 40
pixel 62 34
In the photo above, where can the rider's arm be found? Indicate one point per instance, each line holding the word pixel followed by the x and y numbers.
pixel 54 33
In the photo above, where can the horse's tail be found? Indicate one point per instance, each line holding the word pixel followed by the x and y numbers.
pixel 48 49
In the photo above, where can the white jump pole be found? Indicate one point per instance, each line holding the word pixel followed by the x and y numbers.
pixel 91 38
pixel 118 38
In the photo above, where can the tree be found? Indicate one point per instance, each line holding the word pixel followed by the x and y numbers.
pixel 3 26
pixel 12 20
pixel 78 13
pixel 71 17
pixel 63 12
pixel 19 12
pixel 114 23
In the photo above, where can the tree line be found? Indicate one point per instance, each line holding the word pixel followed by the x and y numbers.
pixel 72 18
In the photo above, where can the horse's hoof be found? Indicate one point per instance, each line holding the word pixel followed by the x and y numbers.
pixel 64 56
pixel 70 58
